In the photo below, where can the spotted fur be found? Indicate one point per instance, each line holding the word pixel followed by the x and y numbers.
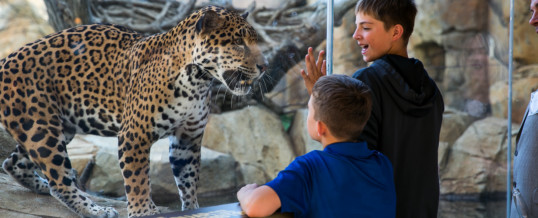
pixel 108 80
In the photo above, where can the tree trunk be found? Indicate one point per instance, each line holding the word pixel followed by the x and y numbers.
pixel 64 14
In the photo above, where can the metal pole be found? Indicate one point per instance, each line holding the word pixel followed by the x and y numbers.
pixel 330 25
pixel 509 149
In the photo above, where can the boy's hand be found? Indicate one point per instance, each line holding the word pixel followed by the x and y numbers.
pixel 246 190
pixel 258 201
pixel 314 69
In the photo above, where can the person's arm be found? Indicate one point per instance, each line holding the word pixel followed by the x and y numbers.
pixel 314 69
pixel 258 201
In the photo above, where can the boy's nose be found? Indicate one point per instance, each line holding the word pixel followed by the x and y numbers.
pixel 356 35
pixel 534 19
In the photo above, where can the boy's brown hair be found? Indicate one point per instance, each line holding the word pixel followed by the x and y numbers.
pixel 344 104
pixel 391 12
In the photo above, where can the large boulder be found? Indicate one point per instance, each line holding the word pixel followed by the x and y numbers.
pixel 525 82
pixel 476 163
pixel 302 142
pixel 451 12
pixel 255 137
pixel 454 124
pixel 428 23
pixel 525 40
pixel 21 22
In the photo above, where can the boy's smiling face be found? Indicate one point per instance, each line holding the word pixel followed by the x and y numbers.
pixel 372 37
pixel 534 14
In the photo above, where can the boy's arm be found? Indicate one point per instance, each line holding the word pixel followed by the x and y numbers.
pixel 314 69
pixel 258 201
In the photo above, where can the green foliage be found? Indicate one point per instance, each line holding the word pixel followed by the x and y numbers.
pixel 286 120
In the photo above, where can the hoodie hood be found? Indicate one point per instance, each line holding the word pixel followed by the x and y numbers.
pixel 407 83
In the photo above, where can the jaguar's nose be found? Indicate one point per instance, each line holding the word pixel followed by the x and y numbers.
pixel 261 67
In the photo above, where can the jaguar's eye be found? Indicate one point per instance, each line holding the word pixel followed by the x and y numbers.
pixel 238 41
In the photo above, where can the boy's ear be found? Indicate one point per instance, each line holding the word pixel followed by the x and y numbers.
pixel 321 128
pixel 398 31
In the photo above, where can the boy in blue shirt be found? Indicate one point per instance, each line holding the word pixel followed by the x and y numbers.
pixel 346 179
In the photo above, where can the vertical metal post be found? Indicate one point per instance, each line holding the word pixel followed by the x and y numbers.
pixel 509 152
pixel 330 25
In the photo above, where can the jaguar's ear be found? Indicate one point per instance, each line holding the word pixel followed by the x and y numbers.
pixel 244 15
pixel 208 22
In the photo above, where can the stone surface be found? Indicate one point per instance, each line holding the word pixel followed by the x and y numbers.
pixel 476 163
pixel 254 136
pixel 525 40
pixel 427 23
pixel 524 83
pixel 17 201
pixel 454 124
pixel 21 22
pixel 451 12
pixel 302 141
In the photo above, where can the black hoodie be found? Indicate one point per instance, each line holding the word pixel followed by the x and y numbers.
pixel 406 118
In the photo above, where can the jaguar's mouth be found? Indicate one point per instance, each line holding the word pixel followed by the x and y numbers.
pixel 239 82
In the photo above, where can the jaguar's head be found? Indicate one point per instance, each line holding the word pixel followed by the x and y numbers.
pixel 227 49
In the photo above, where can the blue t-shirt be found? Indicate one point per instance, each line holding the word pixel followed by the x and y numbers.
pixel 344 180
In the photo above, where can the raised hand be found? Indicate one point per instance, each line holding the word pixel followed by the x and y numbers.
pixel 314 69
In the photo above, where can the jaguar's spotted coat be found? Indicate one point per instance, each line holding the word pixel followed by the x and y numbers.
pixel 108 80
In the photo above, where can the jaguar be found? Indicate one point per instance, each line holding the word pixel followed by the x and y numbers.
pixel 108 80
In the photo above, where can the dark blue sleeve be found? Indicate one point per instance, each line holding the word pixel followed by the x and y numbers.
pixel 292 186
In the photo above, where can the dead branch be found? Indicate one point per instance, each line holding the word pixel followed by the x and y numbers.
pixel 143 16
pixel 288 35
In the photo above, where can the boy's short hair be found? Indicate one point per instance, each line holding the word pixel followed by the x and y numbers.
pixel 391 12
pixel 343 103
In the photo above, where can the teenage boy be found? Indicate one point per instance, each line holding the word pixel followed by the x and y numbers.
pixel 346 179
pixel 407 107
